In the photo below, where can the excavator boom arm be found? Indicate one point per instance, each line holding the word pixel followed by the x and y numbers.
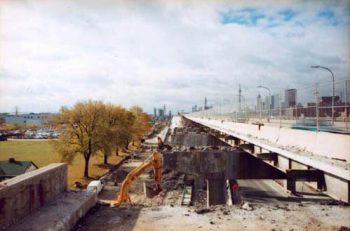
pixel 123 195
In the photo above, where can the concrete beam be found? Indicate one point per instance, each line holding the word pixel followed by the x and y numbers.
pixel 270 156
pixel 193 139
pixel 236 164
pixel 294 175
pixel 248 147
pixel 229 137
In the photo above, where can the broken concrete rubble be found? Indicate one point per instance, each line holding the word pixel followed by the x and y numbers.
pixel 199 167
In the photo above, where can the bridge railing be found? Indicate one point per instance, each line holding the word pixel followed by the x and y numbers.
pixel 308 108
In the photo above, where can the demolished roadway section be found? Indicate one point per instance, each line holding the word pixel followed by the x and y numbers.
pixel 233 163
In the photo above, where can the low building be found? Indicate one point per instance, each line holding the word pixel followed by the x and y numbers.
pixel 26 119
pixel 12 167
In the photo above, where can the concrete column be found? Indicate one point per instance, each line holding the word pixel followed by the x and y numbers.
pixel 291 186
pixel 199 183
pixel 216 189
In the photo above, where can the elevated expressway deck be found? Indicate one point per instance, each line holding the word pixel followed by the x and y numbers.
pixel 325 152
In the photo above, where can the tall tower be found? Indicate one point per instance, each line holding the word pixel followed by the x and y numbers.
pixel 290 97
pixel 239 97
pixel 258 103
pixel 155 112
pixel 205 103
pixel 164 110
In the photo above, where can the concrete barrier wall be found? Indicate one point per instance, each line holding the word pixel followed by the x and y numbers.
pixel 337 188
pixel 327 144
pixel 23 194
pixel 335 145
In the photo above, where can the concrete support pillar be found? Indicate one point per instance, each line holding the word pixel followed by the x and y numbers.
pixel 216 189
pixel 233 188
pixel 199 183
pixel 291 186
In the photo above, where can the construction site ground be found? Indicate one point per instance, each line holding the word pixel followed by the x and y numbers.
pixel 265 205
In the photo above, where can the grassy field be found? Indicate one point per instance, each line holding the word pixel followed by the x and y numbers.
pixel 42 153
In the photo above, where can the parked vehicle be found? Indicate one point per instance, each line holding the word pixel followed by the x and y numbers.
pixel 95 186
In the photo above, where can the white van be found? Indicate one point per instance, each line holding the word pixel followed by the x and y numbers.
pixel 95 186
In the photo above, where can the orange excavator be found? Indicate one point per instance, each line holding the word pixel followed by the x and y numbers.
pixel 156 162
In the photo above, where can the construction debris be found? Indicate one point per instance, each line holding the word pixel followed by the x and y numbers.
pixel 203 210
pixel 247 207
pixel 183 202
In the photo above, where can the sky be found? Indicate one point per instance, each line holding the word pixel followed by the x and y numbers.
pixel 151 53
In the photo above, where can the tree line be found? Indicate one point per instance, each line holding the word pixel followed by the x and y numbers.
pixel 92 127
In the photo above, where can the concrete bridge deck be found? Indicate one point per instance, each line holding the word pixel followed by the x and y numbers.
pixel 296 149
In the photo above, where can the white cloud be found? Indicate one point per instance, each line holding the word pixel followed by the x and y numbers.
pixel 58 52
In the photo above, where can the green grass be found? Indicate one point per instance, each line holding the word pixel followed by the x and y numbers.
pixel 42 153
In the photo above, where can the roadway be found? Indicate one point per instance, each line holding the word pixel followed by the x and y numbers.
pixel 162 134
pixel 266 191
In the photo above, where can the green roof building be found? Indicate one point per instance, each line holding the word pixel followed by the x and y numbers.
pixel 11 168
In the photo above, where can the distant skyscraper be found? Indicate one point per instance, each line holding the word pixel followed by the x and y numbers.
pixel 161 113
pixel 155 112
pixel 194 108
pixel 290 99
pixel 164 108
pixel 205 103
pixel 275 101
pixel 258 103
pixel 267 103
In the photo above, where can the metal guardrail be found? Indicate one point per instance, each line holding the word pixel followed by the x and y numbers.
pixel 308 108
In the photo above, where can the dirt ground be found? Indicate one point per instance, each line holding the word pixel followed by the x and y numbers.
pixel 275 216
pixel 265 206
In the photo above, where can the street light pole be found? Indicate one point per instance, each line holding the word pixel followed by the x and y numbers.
pixel 326 68
pixel 268 89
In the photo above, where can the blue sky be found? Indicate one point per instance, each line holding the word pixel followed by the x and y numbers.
pixel 250 16
pixel 57 52
pixel 243 16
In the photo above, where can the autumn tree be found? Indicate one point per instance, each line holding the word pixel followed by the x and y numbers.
pixel 92 127
pixel 82 131
pixel 118 122
pixel 124 134
pixel 141 125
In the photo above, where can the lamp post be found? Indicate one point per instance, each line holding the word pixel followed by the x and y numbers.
pixel 326 68
pixel 268 89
